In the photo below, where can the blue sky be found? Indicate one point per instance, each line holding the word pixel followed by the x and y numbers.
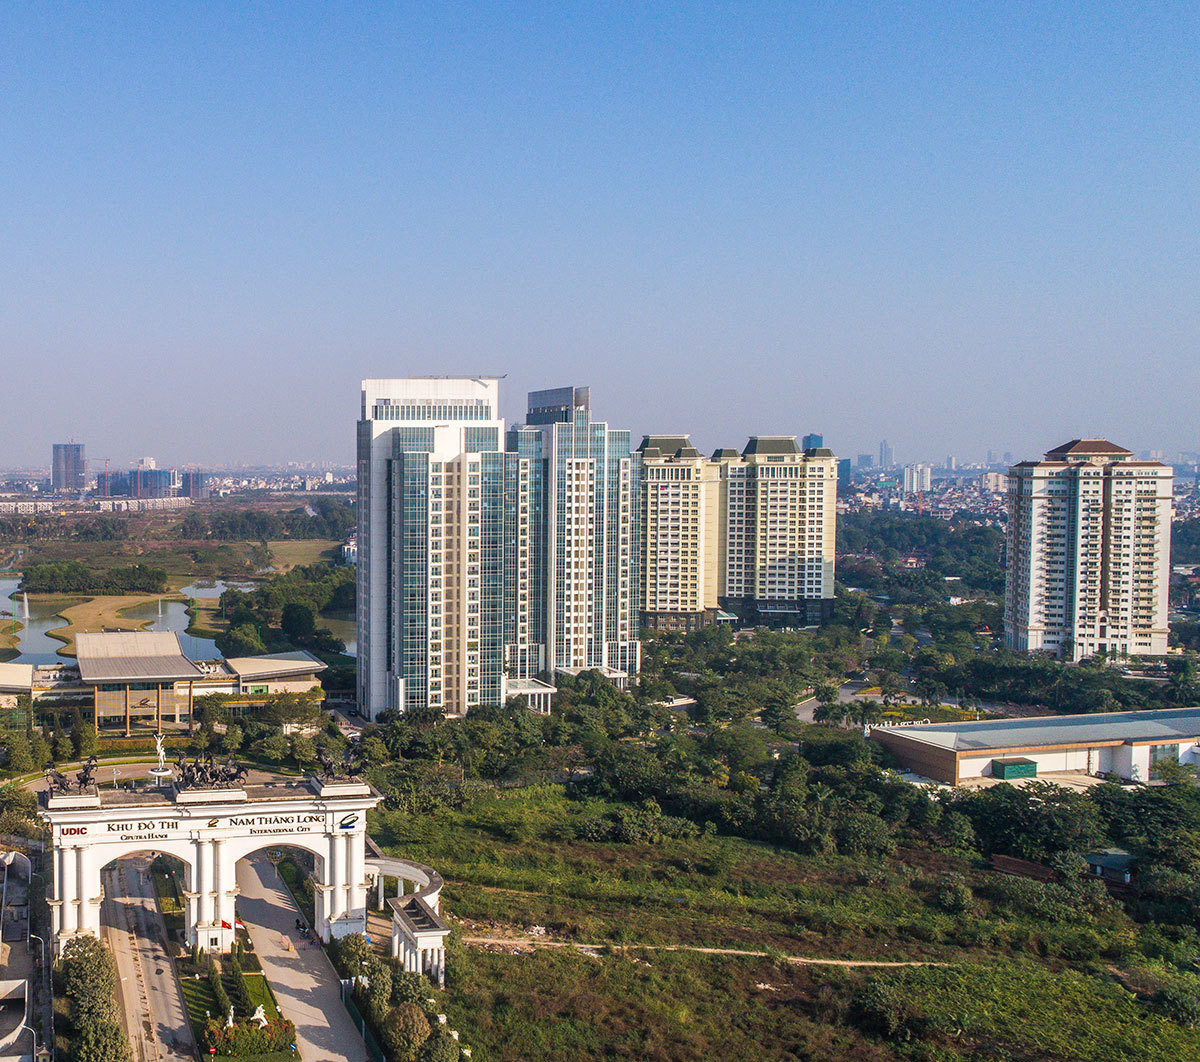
pixel 954 225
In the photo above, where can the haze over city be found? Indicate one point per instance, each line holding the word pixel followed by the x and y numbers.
pixel 957 228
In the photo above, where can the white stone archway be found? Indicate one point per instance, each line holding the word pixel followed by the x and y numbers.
pixel 209 830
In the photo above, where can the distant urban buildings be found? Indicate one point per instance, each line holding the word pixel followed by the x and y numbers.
pixel 813 442
pixel 68 468
pixel 887 455
pixel 918 479
pixel 1089 546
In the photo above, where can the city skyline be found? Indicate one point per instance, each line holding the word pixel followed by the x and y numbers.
pixel 953 231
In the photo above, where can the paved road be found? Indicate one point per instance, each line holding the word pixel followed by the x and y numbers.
pixel 304 980
pixel 155 1017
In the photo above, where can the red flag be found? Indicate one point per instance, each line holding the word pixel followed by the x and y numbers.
pixel 225 925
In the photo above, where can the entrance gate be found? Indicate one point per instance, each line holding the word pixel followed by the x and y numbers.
pixel 209 830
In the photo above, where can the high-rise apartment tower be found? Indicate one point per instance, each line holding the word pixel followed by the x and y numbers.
pixel 430 541
pixel 681 531
pixel 779 515
pixel 68 468
pixel 1089 549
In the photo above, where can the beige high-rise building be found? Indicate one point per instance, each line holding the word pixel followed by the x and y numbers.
pixel 681 530
pixel 1089 552
pixel 778 512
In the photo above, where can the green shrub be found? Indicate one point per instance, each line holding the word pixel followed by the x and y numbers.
pixel 1180 1002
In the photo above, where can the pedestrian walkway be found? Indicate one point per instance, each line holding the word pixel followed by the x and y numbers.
pixel 305 982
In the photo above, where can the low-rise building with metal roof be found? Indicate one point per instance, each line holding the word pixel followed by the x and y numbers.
pixel 1126 745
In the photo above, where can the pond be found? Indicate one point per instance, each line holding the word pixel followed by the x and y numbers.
pixel 172 616
pixel 342 626
pixel 214 588
pixel 36 646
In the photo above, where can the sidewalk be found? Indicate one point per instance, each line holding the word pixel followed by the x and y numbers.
pixel 303 979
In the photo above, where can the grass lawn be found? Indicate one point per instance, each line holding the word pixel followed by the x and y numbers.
pixel 98 613
pixel 260 993
pixel 677 1006
pixel 1020 985
pixel 288 553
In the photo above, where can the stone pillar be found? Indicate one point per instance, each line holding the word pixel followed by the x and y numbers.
pixel 158 707
pixel 67 879
pixel 191 895
pixel 55 897
pixel 221 899
pixel 337 877
pixel 88 889
pixel 204 911
pixel 356 873
pixel 379 883
pixel 441 967
pixel 191 707
pixel 127 730
pixel 395 939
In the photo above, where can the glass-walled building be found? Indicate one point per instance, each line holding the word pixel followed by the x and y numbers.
pixel 431 538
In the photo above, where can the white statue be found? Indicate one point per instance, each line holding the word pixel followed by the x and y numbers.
pixel 229 1021
pixel 162 753
pixel 259 1016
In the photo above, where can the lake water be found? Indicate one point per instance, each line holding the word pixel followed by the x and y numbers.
pixel 172 616
pixel 342 627
pixel 38 648
pixel 35 644
pixel 214 588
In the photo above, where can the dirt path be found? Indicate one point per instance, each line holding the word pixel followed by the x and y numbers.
pixel 798 960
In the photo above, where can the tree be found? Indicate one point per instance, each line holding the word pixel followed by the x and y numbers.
pixel 87 966
pixel 352 953
pixel 39 750
pixel 20 759
pixel 303 749
pixel 83 737
pixel 102 1041
pixel 242 640
pixel 440 1047
pixel 405 1029
pixel 232 740
pixel 298 621
pixel 290 709
pixel 274 747
pixel 863 833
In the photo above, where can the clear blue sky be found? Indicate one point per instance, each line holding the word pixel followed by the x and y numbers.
pixel 956 225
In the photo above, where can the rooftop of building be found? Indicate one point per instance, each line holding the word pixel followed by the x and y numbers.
pixel 1087 448
pixel 277 665
pixel 1165 725
pixel 16 678
pixel 132 656
pixel 724 451
pixel 772 445
pixel 679 446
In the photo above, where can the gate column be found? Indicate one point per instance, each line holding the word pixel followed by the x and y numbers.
pixel 67 880
pixel 204 911
pixel 337 878
pixel 89 891
pixel 356 854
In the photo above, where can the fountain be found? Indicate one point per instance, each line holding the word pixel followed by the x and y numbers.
pixel 162 773
pixel 25 608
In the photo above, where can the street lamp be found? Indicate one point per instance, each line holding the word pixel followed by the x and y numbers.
pixel 49 990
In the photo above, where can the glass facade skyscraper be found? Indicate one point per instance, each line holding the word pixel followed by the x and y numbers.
pixel 431 542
